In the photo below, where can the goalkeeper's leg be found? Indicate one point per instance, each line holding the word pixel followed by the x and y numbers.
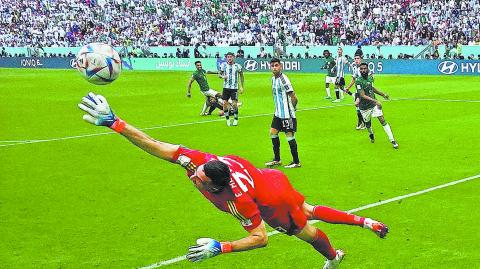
pixel 334 216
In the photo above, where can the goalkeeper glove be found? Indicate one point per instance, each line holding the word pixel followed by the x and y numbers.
pixel 207 248
pixel 99 112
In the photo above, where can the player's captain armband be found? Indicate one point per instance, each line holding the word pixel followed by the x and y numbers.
pixel 186 162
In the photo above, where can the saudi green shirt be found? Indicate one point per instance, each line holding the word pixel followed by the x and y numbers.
pixel 330 66
pixel 201 78
pixel 365 85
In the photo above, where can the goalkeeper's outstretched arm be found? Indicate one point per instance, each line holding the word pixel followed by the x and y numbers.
pixel 99 113
pixel 157 148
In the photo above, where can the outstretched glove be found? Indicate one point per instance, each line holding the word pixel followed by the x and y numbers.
pixel 207 248
pixel 99 112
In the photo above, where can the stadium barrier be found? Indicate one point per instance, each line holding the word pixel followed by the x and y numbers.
pixel 415 67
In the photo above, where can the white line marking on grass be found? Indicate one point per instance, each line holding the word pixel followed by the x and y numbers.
pixel 159 127
pixel 181 258
pixel 30 141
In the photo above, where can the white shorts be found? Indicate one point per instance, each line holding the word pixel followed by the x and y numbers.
pixel 330 79
pixel 210 93
pixel 374 112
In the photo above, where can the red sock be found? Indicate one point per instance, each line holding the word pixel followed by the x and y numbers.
pixel 322 245
pixel 334 216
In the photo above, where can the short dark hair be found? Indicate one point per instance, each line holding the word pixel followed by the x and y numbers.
pixel 274 60
pixel 218 172
pixel 197 62
pixel 364 64
pixel 229 53
pixel 358 55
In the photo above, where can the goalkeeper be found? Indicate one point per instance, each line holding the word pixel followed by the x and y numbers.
pixel 253 196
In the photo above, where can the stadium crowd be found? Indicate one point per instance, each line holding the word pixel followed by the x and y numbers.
pixel 64 23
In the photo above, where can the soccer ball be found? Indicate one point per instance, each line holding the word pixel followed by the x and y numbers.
pixel 98 63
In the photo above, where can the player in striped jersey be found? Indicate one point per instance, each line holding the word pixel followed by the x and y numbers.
pixel 284 119
pixel 230 72
pixel 355 66
pixel 340 63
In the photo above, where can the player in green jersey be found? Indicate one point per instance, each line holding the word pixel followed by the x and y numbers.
pixel 331 72
pixel 200 77
pixel 370 106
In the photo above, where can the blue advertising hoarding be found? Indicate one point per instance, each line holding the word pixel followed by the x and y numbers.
pixel 415 67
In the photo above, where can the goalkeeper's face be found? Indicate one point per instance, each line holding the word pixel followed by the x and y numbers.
pixel 202 182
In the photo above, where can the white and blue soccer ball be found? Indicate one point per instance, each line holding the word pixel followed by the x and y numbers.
pixel 98 63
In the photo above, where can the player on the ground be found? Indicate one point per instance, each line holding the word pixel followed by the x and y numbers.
pixel 331 72
pixel 355 66
pixel 284 119
pixel 200 76
pixel 230 72
pixel 340 63
pixel 370 106
pixel 254 196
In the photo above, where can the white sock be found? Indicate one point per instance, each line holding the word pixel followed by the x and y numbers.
pixel 328 91
pixel 387 129
pixel 204 109
pixel 367 223
pixel 341 93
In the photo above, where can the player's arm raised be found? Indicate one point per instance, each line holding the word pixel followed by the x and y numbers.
pixel 99 113
pixel 208 248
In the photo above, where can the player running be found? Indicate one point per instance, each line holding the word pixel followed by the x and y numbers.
pixel 369 106
pixel 254 196
pixel 230 71
pixel 200 76
pixel 331 72
pixel 340 63
pixel 356 98
pixel 284 119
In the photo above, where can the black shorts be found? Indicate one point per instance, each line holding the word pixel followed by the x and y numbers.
pixel 284 125
pixel 340 82
pixel 230 93
pixel 357 96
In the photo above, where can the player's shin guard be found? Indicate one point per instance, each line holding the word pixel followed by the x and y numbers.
pixel 331 215
pixel 322 245
pixel 293 149
pixel 276 147
pixel 327 89
pixel 226 113
pixel 388 130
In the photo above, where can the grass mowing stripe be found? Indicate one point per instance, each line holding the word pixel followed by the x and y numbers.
pixel 17 142
pixel 181 258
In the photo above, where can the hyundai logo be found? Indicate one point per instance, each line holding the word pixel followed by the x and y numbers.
pixel 250 65
pixel 447 67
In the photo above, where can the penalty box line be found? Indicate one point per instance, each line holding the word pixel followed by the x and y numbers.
pixel 181 258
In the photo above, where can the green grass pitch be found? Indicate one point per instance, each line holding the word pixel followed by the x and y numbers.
pixel 99 202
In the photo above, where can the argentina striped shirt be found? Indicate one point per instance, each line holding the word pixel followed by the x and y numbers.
pixel 340 63
pixel 281 86
pixel 231 71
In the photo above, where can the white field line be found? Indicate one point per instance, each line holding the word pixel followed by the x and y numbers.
pixel 181 258
pixel 33 141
